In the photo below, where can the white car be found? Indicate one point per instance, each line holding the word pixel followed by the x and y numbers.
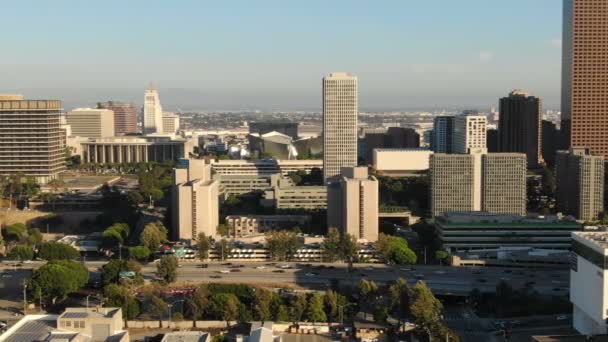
pixel 310 274
pixel 225 271
pixel 260 267
pixel 284 266
pixel 369 268
pixel 561 317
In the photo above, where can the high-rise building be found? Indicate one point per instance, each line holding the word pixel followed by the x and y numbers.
pixel 340 110
pixel 125 116
pixel 549 142
pixel 31 138
pixel 91 123
pixel 195 198
pixel 153 112
pixel 492 182
pixel 352 204
pixel 170 123
pixel 492 140
pixel 579 178
pixel 519 126
pixel 442 136
pixel 585 75
pixel 402 137
pixel 589 282
pixel 469 133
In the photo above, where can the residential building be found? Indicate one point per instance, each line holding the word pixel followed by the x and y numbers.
pixel 589 282
pixel 195 200
pixel 170 123
pixel 258 224
pixel 492 182
pixel 479 232
pixel 153 111
pixel 352 204
pixel 289 129
pixel 91 123
pixel 443 134
pixel 125 116
pixel 579 178
pixel 265 167
pixel 340 111
pixel 31 138
pixel 519 126
pixel 469 133
pixel 585 75
pixel 401 162
pixel 135 149
pixel 74 324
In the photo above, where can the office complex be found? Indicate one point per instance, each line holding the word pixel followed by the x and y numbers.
pixel 31 139
pixel 195 200
pixel 284 195
pixel 585 75
pixel 91 123
pixel 170 123
pixel 340 110
pixel 352 204
pixel 476 231
pixel 550 139
pixel 492 140
pixel 579 178
pixel 393 138
pixel 259 224
pixel 589 282
pixel 265 167
pixel 442 135
pixel 287 128
pixel 493 182
pixel 400 162
pixel 125 116
pixel 469 133
pixel 519 126
pixel 134 149
pixel 153 112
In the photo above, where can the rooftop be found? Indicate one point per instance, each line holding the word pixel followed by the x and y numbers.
pixel 485 219
pixel 597 238
pixel 30 328
pixel 186 336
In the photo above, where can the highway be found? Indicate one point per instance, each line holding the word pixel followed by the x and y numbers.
pixel 442 279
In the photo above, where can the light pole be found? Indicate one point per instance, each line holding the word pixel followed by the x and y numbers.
pixel 170 306
pixel 24 298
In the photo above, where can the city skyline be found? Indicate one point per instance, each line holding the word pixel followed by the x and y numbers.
pixel 435 54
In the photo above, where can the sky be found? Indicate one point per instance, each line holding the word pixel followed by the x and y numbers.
pixel 272 54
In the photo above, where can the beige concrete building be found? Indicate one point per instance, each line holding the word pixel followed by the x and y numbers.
pixel 265 167
pixel 579 178
pixel 399 162
pixel 259 224
pixel 284 195
pixel 153 111
pixel 469 133
pixel 340 111
pixel 352 204
pixel 32 141
pixel 91 123
pixel 170 123
pixel 135 149
pixel 491 182
pixel 195 200
pixel 125 116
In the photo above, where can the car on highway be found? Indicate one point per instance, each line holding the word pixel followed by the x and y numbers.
pixel 215 276
pixel 6 275
pixel 369 268
pixel 482 280
pixel 235 270
pixel 561 317
pixel 285 266
pixel 279 271
pixel 260 267
pixel 440 272
pixel 309 274
pixel 3 324
pixel 225 271
pixel 405 269
pixel 419 275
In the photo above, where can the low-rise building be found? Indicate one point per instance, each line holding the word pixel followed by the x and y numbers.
pixel 74 324
pixel 284 195
pixel 471 231
pixel 135 149
pixel 265 167
pixel 91 123
pixel 186 336
pixel 401 162
pixel 259 224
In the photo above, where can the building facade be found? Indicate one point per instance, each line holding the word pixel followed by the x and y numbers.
pixel 195 198
pixel 153 112
pixel 352 204
pixel 401 162
pixel 340 111
pixel 91 123
pixel 170 123
pixel 519 126
pixel 31 138
pixel 469 133
pixel 579 178
pixel 492 182
pixel 125 116
pixel 258 224
pixel 589 282
pixel 288 128
pixel 442 135
pixel 264 167
pixel 585 75
pixel 133 149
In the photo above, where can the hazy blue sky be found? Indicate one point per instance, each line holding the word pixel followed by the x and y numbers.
pixel 267 54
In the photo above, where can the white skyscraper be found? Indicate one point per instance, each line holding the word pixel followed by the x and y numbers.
pixel 340 110
pixel 469 133
pixel 153 111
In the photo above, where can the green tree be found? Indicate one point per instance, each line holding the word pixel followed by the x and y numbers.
pixel 233 201
pixel 203 244
pixel 298 307
pixel 331 305
pixel 121 296
pixel 425 308
pixel 315 312
pixel 223 248
pixel 282 314
pixel 58 278
pixel 200 301
pixel 262 300
pixel 110 272
pixel 139 252
pixel 34 237
pixel 135 198
pixel 21 253
pixel 153 236
pixel 154 305
pixel 399 294
pixel 167 268
pixel 392 249
pixel 223 229
pixel 282 244
pixel 14 232
pixel 441 255
pixel 331 245
pixel 367 291
pixel 56 250
pixel 225 306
